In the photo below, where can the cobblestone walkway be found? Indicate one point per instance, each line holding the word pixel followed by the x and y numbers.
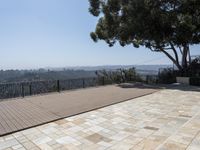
pixel 165 120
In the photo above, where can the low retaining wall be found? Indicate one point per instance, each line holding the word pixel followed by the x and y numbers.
pixel 183 80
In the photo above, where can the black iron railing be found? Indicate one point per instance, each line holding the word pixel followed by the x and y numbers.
pixel 22 89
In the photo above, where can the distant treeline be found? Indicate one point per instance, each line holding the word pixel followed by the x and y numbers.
pixel 7 76
pixel 42 74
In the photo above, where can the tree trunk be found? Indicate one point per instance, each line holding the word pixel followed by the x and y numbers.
pixel 184 57
pixel 189 57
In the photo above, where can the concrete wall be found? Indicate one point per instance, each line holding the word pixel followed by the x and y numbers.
pixel 183 80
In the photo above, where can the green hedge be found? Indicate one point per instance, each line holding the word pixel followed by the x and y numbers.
pixel 167 76
pixel 195 81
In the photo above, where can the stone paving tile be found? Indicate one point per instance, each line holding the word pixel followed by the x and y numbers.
pixel 166 120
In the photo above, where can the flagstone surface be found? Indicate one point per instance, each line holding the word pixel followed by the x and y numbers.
pixel 165 120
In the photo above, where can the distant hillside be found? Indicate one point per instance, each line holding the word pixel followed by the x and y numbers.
pixel 70 72
pixel 114 67
pixel 141 69
pixel 42 74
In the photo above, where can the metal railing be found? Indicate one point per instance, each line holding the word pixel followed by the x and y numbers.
pixel 22 89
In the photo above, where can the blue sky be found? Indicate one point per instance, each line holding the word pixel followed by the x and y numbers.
pixel 55 33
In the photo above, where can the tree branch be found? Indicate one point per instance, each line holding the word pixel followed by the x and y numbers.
pixel 175 52
pixel 172 59
pixel 180 50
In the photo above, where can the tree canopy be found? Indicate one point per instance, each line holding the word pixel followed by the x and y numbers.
pixel 160 25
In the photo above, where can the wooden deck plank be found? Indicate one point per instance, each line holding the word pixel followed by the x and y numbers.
pixel 20 122
pixel 19 114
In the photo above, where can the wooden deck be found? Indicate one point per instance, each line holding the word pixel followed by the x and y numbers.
pixel 19 114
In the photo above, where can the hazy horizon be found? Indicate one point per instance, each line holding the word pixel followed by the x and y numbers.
pixel 87 67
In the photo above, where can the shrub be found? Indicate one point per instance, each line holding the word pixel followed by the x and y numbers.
pixel 195 81
pixel 118 76
pixel 194 68
pixel 167 76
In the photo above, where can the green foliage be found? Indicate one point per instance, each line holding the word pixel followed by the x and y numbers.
pixel 194 68
pixel 160 25
pixel 167 76
pixel 119 76
pixel 147 22
pixel 195 81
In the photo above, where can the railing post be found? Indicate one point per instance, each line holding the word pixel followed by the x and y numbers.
pixel 103 81
pixel 95 81
pixel 70 82
pixel 83 83
pixel 147 79
pixel 30 89
pixel 22 86
pixel 58 85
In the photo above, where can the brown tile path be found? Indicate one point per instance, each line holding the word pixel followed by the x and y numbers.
pixel 19 114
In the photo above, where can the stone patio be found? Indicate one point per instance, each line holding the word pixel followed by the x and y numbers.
pixel 165 120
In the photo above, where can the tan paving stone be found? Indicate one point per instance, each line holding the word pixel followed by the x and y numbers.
pixel 95 138
pixel 166 120
pixel 78 121
pixel 60 122
pixel 17 146
pixel 173 146
pixel 28 145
